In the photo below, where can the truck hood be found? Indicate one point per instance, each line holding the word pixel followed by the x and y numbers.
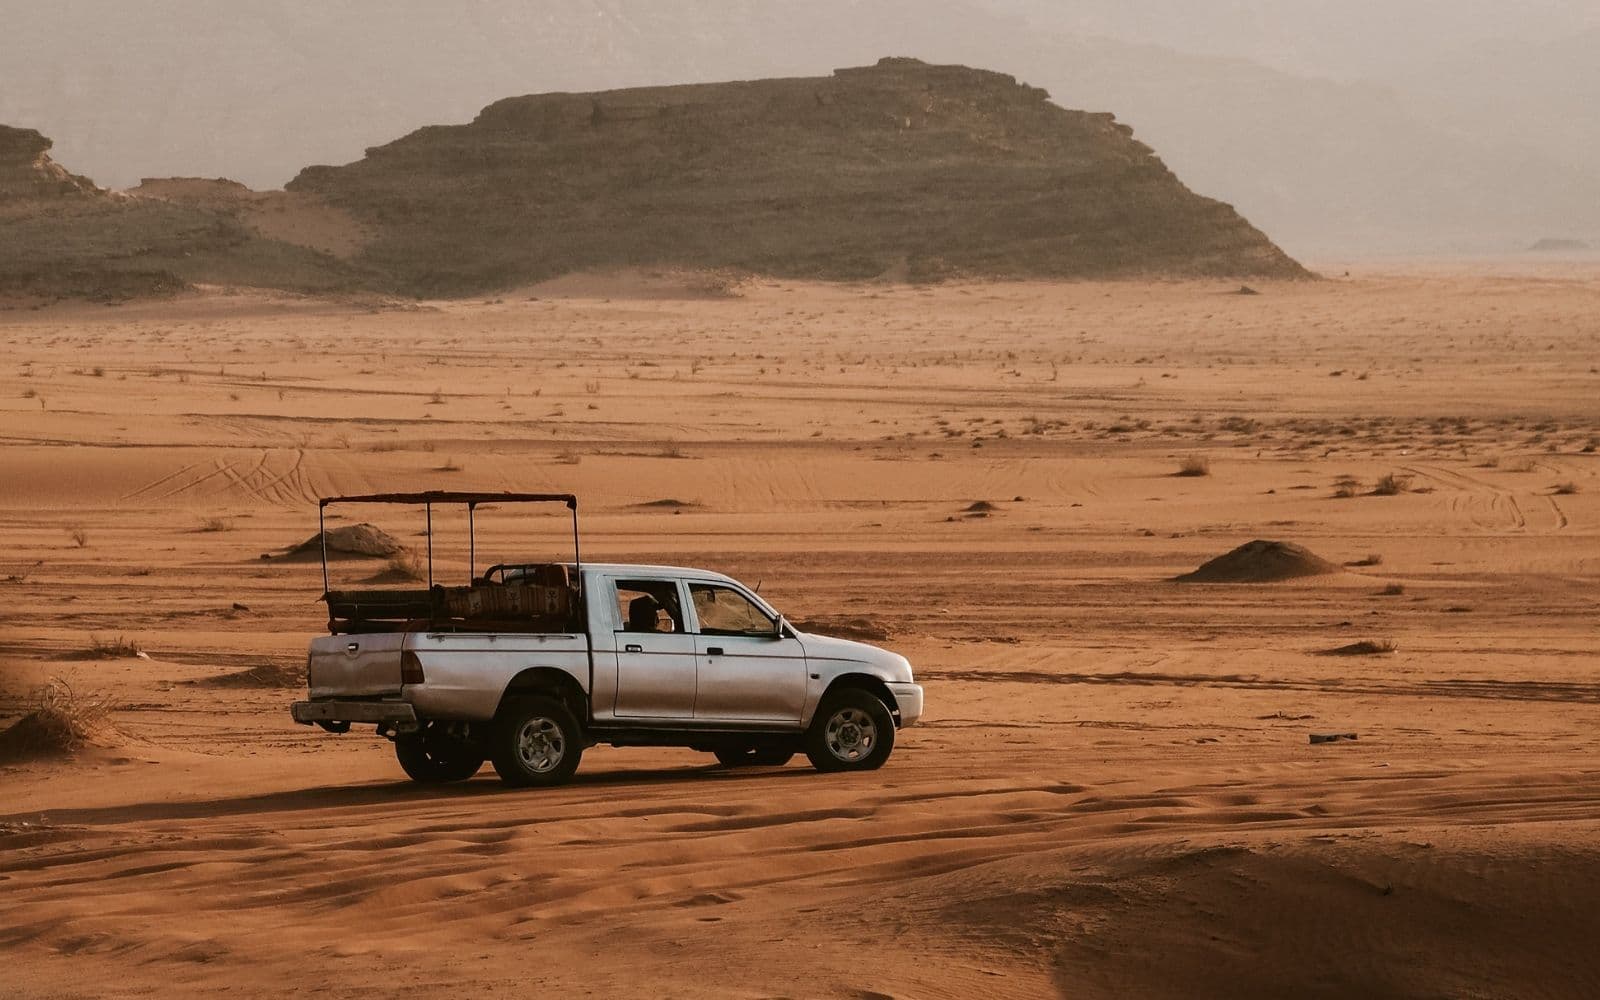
pixel 881 663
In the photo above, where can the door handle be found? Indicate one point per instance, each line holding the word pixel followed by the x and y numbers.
pixel 633 647
pixel 713 650
pixel 352 647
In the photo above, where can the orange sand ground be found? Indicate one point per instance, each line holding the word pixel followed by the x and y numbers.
pixel 1114 793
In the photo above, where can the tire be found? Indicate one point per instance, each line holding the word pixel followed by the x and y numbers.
pixel 852 731
pixel 536 742
pixel 748 756
pixel 435 761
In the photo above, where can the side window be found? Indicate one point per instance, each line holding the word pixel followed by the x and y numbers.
pixel 649 606
pixel 724 611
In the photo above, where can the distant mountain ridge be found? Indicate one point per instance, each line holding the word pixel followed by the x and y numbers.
pixel 900 169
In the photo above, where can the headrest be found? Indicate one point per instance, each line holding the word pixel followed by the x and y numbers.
pixel 642 613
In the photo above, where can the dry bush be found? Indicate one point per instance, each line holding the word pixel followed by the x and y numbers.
pixel 60 721
pixel 1393 590
pixel 450 465
pixel 1391 485
pixel 79 535
pixel 213 524
pixel 1346 487
pixel 1372 559
pixel 113 649
pixel 1565 489
pixel 1194 465
pixel 408 565
pixel 437 398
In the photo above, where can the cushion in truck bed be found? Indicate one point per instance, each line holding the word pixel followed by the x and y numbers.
pixel 378 603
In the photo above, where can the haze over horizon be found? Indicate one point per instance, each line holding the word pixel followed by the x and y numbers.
pixel 1354 127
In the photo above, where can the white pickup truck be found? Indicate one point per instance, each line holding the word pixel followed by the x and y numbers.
pixel 531 663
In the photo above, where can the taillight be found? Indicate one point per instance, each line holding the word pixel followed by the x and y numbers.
pixel 410 668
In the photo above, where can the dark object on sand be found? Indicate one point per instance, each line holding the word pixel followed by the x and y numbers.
pixel 1332 737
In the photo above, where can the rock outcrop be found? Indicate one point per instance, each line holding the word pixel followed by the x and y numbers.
pixel 28 172
pixel 902 167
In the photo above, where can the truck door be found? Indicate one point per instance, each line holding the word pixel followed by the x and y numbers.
pixel 655 652
pixel 746 671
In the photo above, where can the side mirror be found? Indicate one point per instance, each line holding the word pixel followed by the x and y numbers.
pixel 780 628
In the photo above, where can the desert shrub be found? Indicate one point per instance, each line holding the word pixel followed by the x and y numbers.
pixel 59 721
pixel 450 465
pixel 1391 484
pixel 1566 489
pixel 113 649
pixel 1194 465
pixel 1394 590
pixel 1346 487
pixel 213 524
pixel 79 535
pixel 1372 559
pixel 408 566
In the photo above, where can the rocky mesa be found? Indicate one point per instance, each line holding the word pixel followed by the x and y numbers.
pixel 901 168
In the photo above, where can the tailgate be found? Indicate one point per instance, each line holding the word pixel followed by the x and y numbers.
pixel 345 666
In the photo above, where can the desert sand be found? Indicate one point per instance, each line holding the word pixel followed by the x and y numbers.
pixel 1115 792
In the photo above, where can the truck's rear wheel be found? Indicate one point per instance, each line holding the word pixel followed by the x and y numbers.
pixel 433 760
pixel 852 731
pixel 536 742
pixel 748 756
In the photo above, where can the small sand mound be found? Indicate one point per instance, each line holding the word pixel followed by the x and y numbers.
pixel 262 675
pixel 845 628
pixel 1366 647
pixel 351 540
pixel 1261 562
pixel 979 507
pixel 667 503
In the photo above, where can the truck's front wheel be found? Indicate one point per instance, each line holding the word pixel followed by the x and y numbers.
pixel 536 742
pixel 852 731
pixel 433 760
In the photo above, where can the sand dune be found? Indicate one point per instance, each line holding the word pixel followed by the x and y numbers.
pixel 1114 794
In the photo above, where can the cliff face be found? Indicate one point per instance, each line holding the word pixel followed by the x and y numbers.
pixel 903 167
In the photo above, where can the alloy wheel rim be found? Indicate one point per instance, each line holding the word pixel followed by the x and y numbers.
pixel 851 734
pixel 541 745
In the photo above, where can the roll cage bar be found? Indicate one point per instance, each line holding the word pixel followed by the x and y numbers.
pixel 471 500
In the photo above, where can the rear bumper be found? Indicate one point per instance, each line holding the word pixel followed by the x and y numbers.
pixel 309 712
pixel 909 698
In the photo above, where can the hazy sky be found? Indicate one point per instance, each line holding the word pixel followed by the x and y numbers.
pixel 254 90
